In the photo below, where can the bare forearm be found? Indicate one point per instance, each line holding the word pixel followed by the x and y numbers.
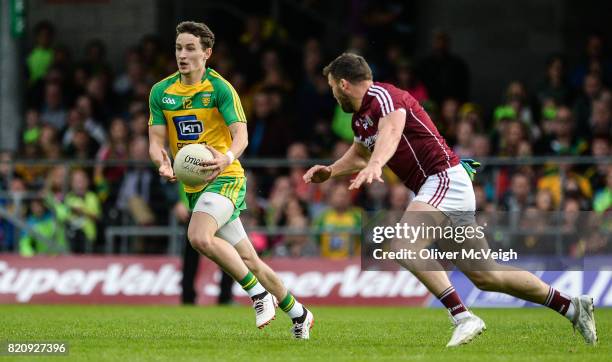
pixel 386 145
pixel 240 138
pixel 239 144
pixel 349 163
pixel 155 152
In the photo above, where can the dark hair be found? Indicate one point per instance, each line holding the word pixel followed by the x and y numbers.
pixel 349 66
pixel 200 30
pixel 44 25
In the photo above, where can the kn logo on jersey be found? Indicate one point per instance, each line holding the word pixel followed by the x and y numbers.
pixel 188 128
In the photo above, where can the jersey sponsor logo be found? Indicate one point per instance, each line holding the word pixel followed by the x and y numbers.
pixel 168 100
pixel 368 141
pixel 180 145
pixel 188 128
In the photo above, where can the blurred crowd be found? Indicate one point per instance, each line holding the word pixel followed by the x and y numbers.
pixel 81 108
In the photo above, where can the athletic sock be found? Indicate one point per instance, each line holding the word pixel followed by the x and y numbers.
pixel 292 307
pixel 451 300
pixel 251 285
pixel 561 303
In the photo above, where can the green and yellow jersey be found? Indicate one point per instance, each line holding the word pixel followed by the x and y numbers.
pixel 199 113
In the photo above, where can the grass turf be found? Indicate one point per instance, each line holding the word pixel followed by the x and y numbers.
pixel 130 333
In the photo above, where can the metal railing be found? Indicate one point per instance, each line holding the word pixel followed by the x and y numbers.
pixel 176 232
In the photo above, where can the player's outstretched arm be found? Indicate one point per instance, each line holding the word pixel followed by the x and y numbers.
pixel 157 151
pixel 240 138
pixel 390 130
pixel 352 161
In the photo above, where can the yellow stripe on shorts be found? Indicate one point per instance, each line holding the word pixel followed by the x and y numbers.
pixel 238 188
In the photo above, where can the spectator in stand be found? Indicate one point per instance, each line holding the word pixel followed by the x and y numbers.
pixel 511 139
pixel 445 75
pixel 108 178
pixel 15 207
pixel 76 122
pixel 482 201
pixel 595 60
pixel 101 100
pixel 81 146
pixel 154 60
pixel 464 139
pixel 338 224
pixel 602 202
pixel 141 193
pixel 79 78
pixel 572 227
pixel 574 183
pixel 6 169
pixel 134 73
pixel 43 224
pixel 53 111
pixel 32 129
pixel 295 217
pixel 516 106
pixel 49 142
pixel 84 212
pixel 85 107
pixel 600 122
pixel 449 116
pixel 554 86
pixel 472 112
pixel 406 79
pixel 139 124
pixel 600 147
pixel 538 219
pixel 298 152
pixel 313 95
pixel 399 197
pixel 268 131
pixel 564 141
pixel 273 73
pixel 33 175
pixel 520 196
pixel 277 200
pixel 591 90
pixel 375 197
pixel 54 194
pixel 95 58
pixel 41 57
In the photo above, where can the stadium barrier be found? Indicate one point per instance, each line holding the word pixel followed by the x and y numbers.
pixel 157 280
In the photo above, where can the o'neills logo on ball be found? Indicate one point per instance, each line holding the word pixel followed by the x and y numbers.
pixel 193 160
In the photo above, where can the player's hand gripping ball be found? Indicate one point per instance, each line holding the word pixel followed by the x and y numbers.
pixel 188 166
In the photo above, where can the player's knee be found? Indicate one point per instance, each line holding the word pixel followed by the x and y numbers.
pixel 201 243
pixel 485 280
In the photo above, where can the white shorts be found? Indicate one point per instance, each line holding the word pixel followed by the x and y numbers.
pixel 221 209
pixel 449 191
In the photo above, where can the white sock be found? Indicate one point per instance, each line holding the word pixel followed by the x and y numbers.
pixel 462 315
pixel 256 289
pixel 296 311
pixel 571 312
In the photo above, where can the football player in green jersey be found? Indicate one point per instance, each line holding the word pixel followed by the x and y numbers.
pixel 196 105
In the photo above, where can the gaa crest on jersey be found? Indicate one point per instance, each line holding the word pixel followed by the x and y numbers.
pixel 206 97
pixel 188 128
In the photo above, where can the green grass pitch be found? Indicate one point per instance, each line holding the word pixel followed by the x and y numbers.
pixel 132 333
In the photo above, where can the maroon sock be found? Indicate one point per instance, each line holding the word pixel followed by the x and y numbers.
pixel 557 301
pixel 451 300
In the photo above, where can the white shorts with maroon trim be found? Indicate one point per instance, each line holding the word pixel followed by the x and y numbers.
pixel 449 191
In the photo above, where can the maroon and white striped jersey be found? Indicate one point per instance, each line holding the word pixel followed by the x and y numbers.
pixel 421 151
